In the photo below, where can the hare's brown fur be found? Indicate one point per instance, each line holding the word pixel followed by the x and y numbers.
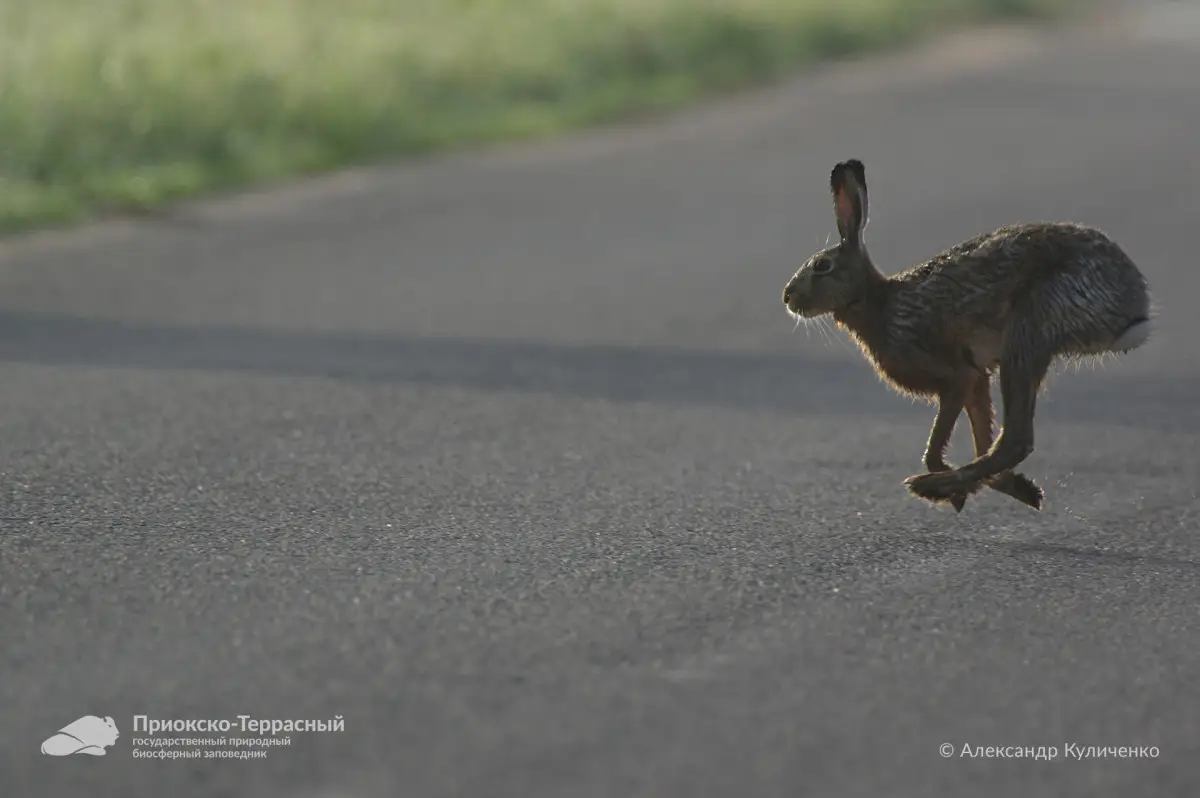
pixel 1009 301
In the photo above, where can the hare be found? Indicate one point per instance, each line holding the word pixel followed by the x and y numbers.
pixel 1011 301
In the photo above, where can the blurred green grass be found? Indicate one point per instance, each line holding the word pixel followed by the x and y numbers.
pixel 124 104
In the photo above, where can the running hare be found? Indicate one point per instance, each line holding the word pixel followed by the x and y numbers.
pixel 1013 300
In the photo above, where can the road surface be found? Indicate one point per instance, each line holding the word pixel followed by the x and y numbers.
pixel 514 462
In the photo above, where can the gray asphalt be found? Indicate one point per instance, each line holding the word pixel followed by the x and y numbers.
pixel 514 461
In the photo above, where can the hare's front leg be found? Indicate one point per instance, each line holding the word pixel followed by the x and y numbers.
pixel 1021 372
pixel 950 406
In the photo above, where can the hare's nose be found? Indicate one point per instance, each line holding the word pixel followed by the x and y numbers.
pixel 787 295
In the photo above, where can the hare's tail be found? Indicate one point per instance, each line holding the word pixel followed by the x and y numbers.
pixel 1135 335
pixel 1094 312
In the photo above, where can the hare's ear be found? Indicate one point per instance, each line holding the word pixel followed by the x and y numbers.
pixel 848 182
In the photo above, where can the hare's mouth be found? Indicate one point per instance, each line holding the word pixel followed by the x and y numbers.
pixel 799 311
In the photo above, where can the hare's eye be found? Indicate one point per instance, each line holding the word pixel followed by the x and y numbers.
pixel 823 266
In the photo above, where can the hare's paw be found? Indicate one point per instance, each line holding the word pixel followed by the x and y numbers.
pixel 942 487
pixel 1019 487
pixel 1026 490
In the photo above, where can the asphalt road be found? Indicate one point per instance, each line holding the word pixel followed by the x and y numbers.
pixel 515 462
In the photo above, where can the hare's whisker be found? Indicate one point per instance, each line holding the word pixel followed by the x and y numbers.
pixel 824 327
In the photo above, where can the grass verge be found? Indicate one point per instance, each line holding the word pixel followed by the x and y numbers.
pixel 125 104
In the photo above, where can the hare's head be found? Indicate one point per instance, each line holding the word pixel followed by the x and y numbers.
pixel 839 276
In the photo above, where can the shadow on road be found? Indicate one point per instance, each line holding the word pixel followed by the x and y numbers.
pixel 1074 554
pixel 773 382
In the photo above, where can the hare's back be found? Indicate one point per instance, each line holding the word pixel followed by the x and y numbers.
pixel 1080 285
pixel 970 285
pixel 1016 258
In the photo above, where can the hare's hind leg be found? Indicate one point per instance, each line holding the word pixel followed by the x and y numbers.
pixel 1022 369
pixel 980 412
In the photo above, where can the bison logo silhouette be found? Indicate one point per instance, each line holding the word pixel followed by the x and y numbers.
pixel 88 735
